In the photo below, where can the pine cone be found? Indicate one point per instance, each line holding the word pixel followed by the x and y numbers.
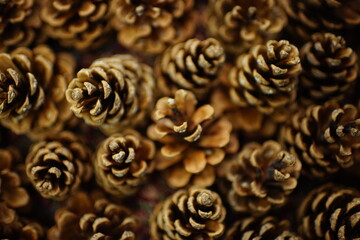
pixel 323 137
pixel 113 93
pixel 58 165
pixel 123 161
pixel 243 24
pixel 32 90
pixel 260 177
pixel 151 26
pixel 267 78
pixel 329 68
pixel 92 219
pixel 188 214
pixel 191 65
pixel 192 139
pixel 330 212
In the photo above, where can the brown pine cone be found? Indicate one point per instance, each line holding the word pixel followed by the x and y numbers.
pixel 192 140
pixel 151 26
pixel 123 162
pixel 267 78
pixel 329 69
pixel 323 137
pixel 58 165
pixel 191 65
pixel 330 212
pixel 86 217
pixel 113 93
pixel 188 214
pixel 243 24
pixel 33 84
pixel 260 177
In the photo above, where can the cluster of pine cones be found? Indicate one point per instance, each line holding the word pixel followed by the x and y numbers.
pixel 179 119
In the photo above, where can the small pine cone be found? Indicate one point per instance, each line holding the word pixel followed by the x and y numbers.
pixel 86 217
pixel 323 137
pixel 329 69
pixel 193 141
pixel 243 24
pixel 260 177
pixel 330 212
pixel 113 93
pixel 33 83
pixel 191 65
pixel 266 77
pixel 188 214
pixel 58 165
pixel 123 162
pixel 151 26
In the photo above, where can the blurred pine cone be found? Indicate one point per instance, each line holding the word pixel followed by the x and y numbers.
pixel 188 214
pixel 191 65
pixel 151 26
pixel 329 69
pixel 58 165
pixel 113 93
pixel 193 141
pixel 33 84
pixel 243 24
pixel 123 162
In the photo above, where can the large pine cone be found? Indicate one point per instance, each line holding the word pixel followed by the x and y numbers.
pixel 123 162
pixel 260 177
pixel 89 217
pixel 192 139
pixel 32 90
pixel 323 137
pixel 188 214
pixel 330 212
pixel 329 68
pixel 191 65
pixel 152 25
pixel 58 165
pixel 113 93
pixel 242 24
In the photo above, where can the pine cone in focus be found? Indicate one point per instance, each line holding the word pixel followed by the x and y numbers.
pixel 329 69
pixel 58 165
pixel 193 141
pixel 123 162
pixel 92 219
pixel 260 177
pixel 243 24
pixel 330 212
pixel 267 78
pixel 151 26
pixel 32 87
pixel 188 214
pixel 113 93
pixel 191 65
pixel 323 137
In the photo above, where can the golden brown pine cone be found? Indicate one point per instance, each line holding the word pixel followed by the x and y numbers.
pixel 151 26
pixel 330 69
pixel 188 214
pixel 58 165
pixel 113 93
pixel 243 24
pixel 191 65
pixel 33 90
pixel 266 78
pixel 260 177
pixel 123 162
pixel 323 137
pixel 192 140
pixel 330 212
pixel 86 217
